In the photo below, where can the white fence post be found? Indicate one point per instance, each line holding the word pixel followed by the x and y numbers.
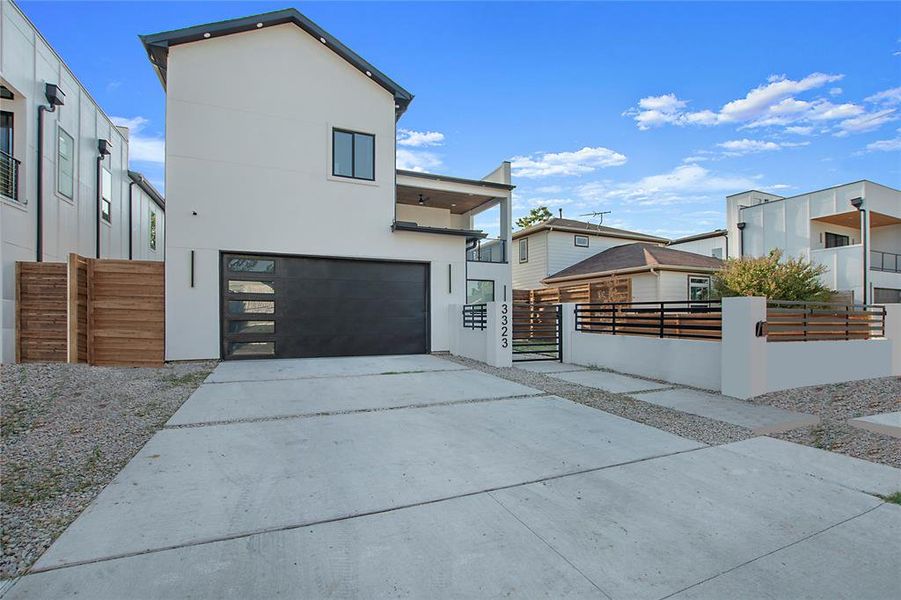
pixel 568 329
pixel 893 334
pixel 744 362
pixel 499 327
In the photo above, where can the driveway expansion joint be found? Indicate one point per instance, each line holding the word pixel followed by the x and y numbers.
pixel 353 411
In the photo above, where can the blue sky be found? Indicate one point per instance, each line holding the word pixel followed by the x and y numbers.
pixel 654 112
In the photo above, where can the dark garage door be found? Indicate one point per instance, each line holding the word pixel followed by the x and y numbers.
pixel 291 307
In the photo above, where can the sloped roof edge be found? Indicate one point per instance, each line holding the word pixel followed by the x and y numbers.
pixel 157 46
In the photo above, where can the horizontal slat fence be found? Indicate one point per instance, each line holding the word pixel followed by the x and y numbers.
pixel 808 321
pixel 610 289
pixel 99 311
pixel 681 319
pixel 41 327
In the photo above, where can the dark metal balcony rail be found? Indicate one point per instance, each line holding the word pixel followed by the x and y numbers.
pixel 690 319
pixel 475 316
pixel 823 321
pixel 885 261
pixel 9 176
pixel 488 250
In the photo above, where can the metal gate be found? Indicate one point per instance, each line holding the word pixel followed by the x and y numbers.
pixel 537 332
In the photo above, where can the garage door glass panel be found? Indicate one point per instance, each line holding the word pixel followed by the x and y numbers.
pixel 251 326
pixel 251 307
pixel 251 287
pixel 251 348
pixel 251 265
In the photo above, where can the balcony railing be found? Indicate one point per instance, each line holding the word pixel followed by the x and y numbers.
pixel 885 261
pixel 9 176
pixel 489 250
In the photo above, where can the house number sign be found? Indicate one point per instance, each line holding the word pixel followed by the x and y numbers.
pixel 505 325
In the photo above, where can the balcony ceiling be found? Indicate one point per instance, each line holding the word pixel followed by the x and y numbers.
pixel 852 219
pixel 456 202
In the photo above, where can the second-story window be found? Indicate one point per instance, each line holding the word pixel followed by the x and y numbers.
pixel 65 164
pixel 152 230
pixel 524 250
pixel 353 154
pixel 106 196
pixel 836 240
pixel 581 241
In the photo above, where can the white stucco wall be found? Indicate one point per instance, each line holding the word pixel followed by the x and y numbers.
pixel 27 63
pixel 249 119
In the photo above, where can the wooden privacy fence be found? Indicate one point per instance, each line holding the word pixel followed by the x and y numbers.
pixel 98 311
pixel 610 289
pixel 681 319
pixel 819 321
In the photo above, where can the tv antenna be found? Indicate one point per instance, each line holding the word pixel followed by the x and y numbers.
pixel 599 215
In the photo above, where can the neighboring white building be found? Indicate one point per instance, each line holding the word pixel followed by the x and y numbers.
pixel 860 248
pixel 290 231
pixel 552 245
pixel 711 243
pixel 148 219
pixel 73 216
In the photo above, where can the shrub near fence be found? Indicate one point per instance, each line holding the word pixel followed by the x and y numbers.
pixel 99 311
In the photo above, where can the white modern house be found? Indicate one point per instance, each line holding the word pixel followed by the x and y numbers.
pixel 853 229
pixel 546 248
pixel 290 231
pixel 710 243
pixel 76 197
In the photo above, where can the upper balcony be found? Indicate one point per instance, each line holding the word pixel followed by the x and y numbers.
pixel 474 209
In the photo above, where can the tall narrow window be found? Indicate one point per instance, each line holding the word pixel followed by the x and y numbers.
pixel 65 164
pixel 8 164
pixel 152 230
pixel 106 196
pixel 524 250
pixel 353 154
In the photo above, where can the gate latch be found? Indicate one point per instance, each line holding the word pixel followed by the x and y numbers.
pixel 761 328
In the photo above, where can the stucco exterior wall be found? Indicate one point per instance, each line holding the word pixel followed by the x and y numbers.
pixel 27 63
pixel 249 119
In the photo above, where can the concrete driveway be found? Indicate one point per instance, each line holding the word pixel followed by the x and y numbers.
pixel 411 476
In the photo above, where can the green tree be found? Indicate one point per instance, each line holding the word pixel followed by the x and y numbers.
pixel 793 279
pixel 536 215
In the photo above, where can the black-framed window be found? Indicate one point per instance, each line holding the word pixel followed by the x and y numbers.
pixel 580 241
pixel 106 195
pixel 353 154
pixel 698 287
pixel 836 240
pixel 479 291
pixel 524 250
pixel 65 164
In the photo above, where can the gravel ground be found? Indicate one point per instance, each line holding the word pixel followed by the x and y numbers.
pixel 834 404
pixel 66 431
pixel 837 403
pixel 693 427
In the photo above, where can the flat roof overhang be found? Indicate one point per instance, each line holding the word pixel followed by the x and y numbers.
pixel 851 219
pixel 457 195
pixel 469 234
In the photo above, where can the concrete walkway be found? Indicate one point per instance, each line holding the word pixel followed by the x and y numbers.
pixel 413 477
pixel 760 419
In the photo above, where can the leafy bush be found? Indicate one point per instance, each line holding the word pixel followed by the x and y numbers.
pixel 793 279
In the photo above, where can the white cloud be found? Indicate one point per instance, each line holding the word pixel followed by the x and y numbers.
pixel 579 162
pixel 422 162
pixel 419 139
pixel 685 183
pixel 141 148
pixel 892 145
pixel 746 146
pixel 776 104
pixel 889 97
pixel 866 122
